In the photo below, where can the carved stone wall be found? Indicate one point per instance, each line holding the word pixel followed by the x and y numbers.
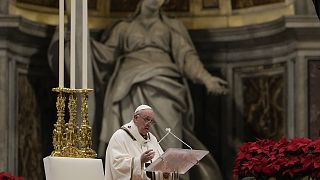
pixel 262 101
pixel 267 69
pixel 4 6
pixel 314 98
pixel 47 3
pixel 239 4
pixel 200 14
pixel 130 5
pixel 123 5
pixel 35 117
pixel 27 108
pixel 30 130
pixel 210 3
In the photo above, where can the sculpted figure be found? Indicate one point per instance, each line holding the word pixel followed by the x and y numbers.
pixel 147 59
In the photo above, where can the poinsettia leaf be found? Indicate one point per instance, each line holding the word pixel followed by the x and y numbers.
pixel 5 175
pixel 316 164
pixel 286 157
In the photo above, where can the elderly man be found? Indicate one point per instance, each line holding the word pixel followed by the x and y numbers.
pixel 132 147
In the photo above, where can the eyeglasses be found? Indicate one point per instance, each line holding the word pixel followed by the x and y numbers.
pixel 147 120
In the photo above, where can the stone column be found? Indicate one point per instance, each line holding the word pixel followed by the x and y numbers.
pixel 301 86
pixel 3 111
pixel 4 6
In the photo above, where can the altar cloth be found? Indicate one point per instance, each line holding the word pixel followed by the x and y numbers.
pixel 64 168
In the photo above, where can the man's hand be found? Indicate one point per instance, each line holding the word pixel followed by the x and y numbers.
pixel 147 156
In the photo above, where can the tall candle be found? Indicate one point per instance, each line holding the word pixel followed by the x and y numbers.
pixel 61 43
pixel 84 43
pixel 73 46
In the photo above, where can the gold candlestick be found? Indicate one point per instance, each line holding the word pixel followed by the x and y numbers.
pixel 85 141
pixel 59 130
pixel 66 139
pixel 70 150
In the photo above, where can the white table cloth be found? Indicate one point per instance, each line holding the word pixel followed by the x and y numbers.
pixel 64 168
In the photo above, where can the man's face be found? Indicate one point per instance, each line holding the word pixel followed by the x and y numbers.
pixel 144 120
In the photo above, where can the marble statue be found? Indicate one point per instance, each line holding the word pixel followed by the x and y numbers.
pixel 147 59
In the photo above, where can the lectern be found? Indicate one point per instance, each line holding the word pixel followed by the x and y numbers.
pixel 177 161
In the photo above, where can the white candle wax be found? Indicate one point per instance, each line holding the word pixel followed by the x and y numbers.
pixel 73 45
pixel 84 44
pixel 61 43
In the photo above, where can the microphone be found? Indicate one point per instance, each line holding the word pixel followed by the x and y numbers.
pixel 169 132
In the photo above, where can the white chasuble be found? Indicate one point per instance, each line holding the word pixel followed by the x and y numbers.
pixel 123 154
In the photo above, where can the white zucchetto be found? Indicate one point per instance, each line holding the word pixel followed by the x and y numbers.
pixel 142 107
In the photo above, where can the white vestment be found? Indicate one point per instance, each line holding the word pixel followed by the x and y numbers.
pixel 124 151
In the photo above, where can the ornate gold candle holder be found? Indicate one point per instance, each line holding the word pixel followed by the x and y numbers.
pixel 71 150
pixel 67 137
pixel 85 141
pixel 59 130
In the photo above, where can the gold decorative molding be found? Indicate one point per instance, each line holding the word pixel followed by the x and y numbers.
pixel 196 18
pixel 261 14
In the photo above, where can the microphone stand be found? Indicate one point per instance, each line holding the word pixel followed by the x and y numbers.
pixel 169 132
pixel 175 173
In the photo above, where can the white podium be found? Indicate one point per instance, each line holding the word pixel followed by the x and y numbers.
pixel 63 168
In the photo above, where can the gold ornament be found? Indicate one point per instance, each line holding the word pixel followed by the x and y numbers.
pixel 68 139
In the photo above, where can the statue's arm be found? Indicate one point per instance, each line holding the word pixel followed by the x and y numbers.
pixel 195 71
pixel 191 67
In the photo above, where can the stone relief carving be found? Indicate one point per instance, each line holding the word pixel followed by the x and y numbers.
pixel 29 128
pixel 314 98
pixel 264 105
pixel 262 101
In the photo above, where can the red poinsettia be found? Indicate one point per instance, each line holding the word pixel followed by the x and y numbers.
pixel 286 158
pixel 8 176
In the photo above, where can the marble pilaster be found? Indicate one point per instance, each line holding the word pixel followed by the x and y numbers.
pixel 3 111
pixel 4 6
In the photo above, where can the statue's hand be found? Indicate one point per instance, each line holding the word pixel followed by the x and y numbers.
pixel 216 85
